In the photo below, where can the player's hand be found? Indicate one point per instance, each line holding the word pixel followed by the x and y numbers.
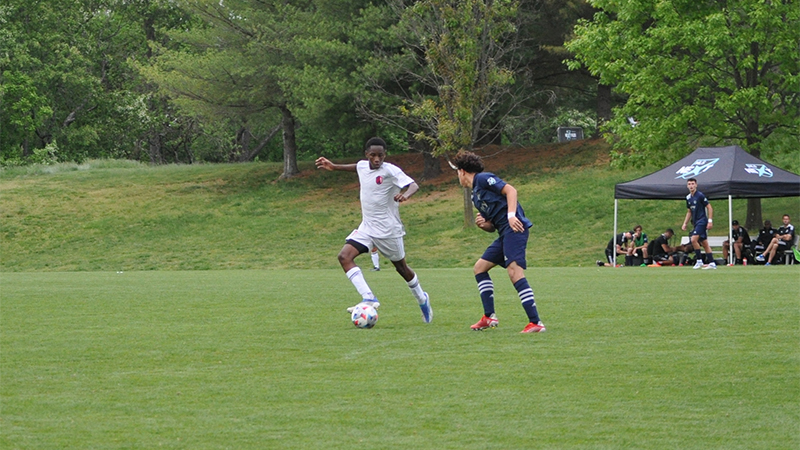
pixel 323 163
pixel 483 224
pixel 709 225
pixel 399 198
pixel 516 225
pixel 683 227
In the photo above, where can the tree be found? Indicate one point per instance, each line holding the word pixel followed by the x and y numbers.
pixel 697 73
pixel 254 62
pixel 69 87
pixel 448 73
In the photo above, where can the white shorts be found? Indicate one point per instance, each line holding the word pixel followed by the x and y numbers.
pixel 392 248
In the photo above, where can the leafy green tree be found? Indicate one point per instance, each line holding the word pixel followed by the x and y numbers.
pixel 67 81
pixel 270 66
pixel 697 73
pixel 447 73
pixel 447 68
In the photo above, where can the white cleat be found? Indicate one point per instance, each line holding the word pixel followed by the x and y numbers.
pixel 375 304
pixel 698 265
pixel 710 266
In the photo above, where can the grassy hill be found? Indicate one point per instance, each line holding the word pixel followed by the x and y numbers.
pixel 118 215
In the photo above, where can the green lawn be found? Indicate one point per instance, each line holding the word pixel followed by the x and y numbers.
pixel 113 215
pixel 645 358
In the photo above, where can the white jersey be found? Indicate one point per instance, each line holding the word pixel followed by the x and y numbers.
pixel 380 213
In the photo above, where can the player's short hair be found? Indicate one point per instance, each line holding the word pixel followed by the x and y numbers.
pixel 692 179
pixel 669 230
pixel 786 215
pixel 375 141
pixel 468 162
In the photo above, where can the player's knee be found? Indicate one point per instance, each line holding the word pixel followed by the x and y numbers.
pixel 344 258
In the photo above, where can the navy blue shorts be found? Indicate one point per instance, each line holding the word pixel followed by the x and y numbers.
pixel 508 248
pixel 700 230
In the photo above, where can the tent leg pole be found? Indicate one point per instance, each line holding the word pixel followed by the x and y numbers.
pixel 731 253
pixel 614 236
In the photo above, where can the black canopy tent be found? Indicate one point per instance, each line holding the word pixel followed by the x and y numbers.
pixel 721 172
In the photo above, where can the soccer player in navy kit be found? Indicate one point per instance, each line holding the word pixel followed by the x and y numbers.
pixel 498 210
pixel 697 203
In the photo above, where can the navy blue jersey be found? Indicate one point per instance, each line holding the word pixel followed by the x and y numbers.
pixel 697 204
pixel 493 205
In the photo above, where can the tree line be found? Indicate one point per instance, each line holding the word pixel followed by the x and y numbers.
pixel 184 81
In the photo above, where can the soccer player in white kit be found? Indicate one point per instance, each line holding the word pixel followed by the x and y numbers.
pixel 383 187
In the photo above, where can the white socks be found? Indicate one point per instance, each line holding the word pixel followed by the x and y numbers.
pixel 416 289
pixel 357 278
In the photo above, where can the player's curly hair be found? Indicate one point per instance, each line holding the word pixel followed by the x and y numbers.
pixel 468 161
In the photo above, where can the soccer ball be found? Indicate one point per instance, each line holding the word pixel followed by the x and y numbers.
pixel 364 316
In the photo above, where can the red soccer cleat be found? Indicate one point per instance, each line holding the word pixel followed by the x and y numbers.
pixel 533 328
pixel 485 322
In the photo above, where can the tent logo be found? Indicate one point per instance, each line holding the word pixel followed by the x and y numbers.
pixel 696 168
pixel 758 169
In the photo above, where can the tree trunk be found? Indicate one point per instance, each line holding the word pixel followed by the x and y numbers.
pixel 432 166
pixel 753 220
pixel 289 144
pixel 603 104
pixel 251 155
pixel 26 148
pixel 469 217
pixel 154 150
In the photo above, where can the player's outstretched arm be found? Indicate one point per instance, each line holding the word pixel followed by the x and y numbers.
pixel 325 163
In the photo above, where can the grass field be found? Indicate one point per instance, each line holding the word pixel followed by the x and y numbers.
pixel 116 215
pixel 668 358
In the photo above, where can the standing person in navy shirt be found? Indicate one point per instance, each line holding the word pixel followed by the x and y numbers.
pixel 498 210
pixel 697 203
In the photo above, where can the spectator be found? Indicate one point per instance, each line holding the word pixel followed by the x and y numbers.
pixel 780 243
pixel 621 241
pixel 663 254
pixel 764 238
pixel 639 245
pixel 741 242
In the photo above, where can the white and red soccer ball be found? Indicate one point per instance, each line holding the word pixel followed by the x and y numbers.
pixel 364 316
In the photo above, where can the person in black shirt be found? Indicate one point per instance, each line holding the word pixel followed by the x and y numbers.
pixel 741 241
pixel 621 239
pixel 779 243
pixel 663 254
pixel 765 236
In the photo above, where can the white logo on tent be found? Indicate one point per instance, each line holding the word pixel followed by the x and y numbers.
pixel 758 169
pixel 697 167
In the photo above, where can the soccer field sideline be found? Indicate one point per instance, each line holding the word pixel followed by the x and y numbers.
pixel 260 359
